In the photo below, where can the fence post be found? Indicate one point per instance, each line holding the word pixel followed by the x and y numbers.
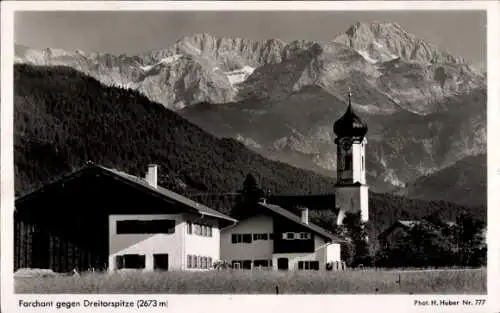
pixel 277 290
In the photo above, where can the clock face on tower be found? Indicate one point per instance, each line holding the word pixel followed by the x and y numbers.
pixel 346 144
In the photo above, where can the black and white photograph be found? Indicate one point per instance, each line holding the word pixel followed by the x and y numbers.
pixel 250 152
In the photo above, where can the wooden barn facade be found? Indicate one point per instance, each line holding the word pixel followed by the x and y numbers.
pixel 65 224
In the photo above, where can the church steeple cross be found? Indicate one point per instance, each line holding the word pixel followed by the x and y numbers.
pixel 349 94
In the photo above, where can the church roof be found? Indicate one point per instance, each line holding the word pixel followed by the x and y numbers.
pixel 350 124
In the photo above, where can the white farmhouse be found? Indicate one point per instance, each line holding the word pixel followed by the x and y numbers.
pixel 275 238
pixel 97 217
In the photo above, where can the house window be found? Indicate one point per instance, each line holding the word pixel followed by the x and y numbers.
pixel 247 264
pixel 145 227
pixel 260 263
pixel 260 237
pixel 235 238
pixel 133 261
pixel 197 261
pixel 247 238
pixel 160 261
pixel 308 265
pixel 241 238
pixel 305 236
pixel 289 236
pixel 314 265
pixel 236 264
pixel 199 229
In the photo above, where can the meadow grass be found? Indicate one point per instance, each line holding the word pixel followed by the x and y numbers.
pixel 466 281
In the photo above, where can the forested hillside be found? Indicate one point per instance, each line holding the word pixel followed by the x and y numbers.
pixel 464 182
pixel 64 118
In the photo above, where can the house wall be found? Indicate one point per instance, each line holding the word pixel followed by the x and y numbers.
pixel 260 249
pixel 264 249
pixel 201 245
pixel 328 252
pixel 148 244
pixel 333 253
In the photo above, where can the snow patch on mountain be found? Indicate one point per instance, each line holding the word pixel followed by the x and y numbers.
pixel 238 76
pixel 179 105
pixel 249 142
pixel 377 44
pixel 164 61
pixel 391 177
pixel 366 56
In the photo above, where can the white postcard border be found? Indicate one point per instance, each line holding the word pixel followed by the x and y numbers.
pixel 229 303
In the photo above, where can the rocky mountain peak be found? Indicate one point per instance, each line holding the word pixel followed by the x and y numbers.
pixel 382 41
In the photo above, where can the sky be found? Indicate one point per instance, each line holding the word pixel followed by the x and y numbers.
pixel 462 33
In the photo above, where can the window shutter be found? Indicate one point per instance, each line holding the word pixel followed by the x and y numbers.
pixel 301 265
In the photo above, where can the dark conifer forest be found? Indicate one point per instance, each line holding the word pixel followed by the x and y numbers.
pixel 63 118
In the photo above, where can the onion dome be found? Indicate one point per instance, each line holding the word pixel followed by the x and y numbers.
pixel 350 124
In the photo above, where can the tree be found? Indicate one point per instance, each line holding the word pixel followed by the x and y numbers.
pixel 470 240
pixel 249 196
pixel 358 237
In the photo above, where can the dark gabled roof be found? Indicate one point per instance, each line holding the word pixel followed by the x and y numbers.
pixel 310 201
pixel 296 219
pixel 143 185
pixel 407 224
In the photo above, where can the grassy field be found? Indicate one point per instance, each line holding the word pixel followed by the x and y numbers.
pixel 452 281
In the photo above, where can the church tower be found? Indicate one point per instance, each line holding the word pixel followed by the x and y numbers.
pixel 351 194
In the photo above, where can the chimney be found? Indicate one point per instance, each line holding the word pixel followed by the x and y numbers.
pixel 152 175
pixel 304 215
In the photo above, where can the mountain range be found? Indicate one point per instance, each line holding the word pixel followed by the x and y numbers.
pixel 64 118
pixel 425 108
